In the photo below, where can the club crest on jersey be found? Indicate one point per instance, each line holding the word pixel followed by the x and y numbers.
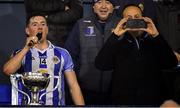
pixel 89 31
pixel 56 60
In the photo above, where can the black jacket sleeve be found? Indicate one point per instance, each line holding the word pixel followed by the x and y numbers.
pixel 165 53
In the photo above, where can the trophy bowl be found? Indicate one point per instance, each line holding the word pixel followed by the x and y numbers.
pixel 35 79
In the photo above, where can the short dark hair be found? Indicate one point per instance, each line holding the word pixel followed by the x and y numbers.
pixel 29 16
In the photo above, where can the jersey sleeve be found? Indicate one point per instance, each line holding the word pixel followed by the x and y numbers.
pixel 68 63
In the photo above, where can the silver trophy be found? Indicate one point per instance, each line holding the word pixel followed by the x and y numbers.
pixel 35 82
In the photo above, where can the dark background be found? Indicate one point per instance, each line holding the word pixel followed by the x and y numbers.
pixel 12 32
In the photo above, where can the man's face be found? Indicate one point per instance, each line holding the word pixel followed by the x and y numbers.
pixel 37 24
pixel 103 8
pixel 133 12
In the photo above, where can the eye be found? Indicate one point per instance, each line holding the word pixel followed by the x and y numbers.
pixel 43 24
pixel 129 17
pixel 34 24
pixel 99 2
pixel 137 16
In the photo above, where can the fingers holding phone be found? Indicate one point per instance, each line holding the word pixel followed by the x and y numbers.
pixel 151 28
pixel 136 24
pixel 120 28
pixel 143 24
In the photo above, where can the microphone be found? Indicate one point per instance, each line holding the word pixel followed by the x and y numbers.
pixel 39 36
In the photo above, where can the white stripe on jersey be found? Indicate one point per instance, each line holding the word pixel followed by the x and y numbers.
pixel 35 63
pixel 60 76
pixel 50 69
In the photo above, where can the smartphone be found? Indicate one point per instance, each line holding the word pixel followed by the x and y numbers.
pixel 136 23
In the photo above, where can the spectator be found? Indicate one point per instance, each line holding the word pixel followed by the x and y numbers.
pixel 137 57
pixel 148 7
pixel 86 38
pixel 62 14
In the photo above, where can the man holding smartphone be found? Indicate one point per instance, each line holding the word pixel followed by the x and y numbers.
pixel 137 54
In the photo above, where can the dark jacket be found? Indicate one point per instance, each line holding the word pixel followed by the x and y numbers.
pixel 137 77
pixel 84 42
pixel 60 21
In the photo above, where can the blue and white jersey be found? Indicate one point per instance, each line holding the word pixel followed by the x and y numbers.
pixel 53 60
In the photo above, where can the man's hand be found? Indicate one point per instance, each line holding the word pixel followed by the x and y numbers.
pixel 120 28
pixel 31 41
pixel 151 28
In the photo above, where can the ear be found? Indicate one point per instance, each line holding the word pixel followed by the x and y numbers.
pixel 112 9
pixel 141 6
pixel 27 31
pixel 93 7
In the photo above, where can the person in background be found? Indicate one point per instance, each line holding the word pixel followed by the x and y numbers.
pixel 137 56
pixel 61 16
pixel 148 7
pixel 168 19
pixel 170 104
pixel 85 40
pixel 177 55
pixel 42 56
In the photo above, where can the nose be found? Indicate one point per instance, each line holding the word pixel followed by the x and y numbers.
pixel 40 27
pixel 103 4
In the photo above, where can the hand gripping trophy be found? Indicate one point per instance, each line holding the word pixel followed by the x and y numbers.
pixel 34 82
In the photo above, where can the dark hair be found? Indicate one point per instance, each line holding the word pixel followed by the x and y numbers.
pixel 29 16
pixel 129 5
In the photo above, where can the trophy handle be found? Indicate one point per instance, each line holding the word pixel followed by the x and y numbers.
pixel 57 85
pixel 13 79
